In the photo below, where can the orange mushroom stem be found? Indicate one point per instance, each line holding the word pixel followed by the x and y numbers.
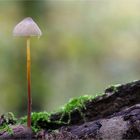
pixel 29 83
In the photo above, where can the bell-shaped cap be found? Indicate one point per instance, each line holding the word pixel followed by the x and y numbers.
pixel 27 27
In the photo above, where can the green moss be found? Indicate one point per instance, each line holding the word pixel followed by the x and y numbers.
pixel 11 118
pixel 76 103
pixel 73 104
pixel 36 117
pixel 114 88
pixel 6 128
pixel 7 120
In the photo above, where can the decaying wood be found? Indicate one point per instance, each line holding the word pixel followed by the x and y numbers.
pixel 114 115
pixel 18 132
pixel 112 101
pixel 121 125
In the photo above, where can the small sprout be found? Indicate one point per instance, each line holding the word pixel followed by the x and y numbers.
pixel 28 28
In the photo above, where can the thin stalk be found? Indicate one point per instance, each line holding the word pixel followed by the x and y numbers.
pixel 29 82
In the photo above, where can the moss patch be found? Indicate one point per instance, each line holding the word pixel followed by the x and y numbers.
pixel 76 103
pixel 40 118
pixel 6 121
pixel 36 117
pixel 113 88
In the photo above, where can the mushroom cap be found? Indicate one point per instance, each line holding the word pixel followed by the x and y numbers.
pixel 27 27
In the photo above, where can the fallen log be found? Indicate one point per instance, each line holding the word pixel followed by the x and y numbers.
pixel 113 115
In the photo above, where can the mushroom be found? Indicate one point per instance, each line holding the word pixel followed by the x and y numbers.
pixel 28 28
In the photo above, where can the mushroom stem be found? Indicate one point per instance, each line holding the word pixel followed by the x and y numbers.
pixel 29 82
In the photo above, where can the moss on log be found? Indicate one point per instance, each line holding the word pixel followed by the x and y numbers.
pixel 112 115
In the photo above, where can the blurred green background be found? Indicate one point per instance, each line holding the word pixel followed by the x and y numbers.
pixel 86 45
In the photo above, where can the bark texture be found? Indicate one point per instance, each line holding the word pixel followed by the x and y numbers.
pixel 114 115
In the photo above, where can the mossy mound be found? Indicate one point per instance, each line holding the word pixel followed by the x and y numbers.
pixel 42 120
